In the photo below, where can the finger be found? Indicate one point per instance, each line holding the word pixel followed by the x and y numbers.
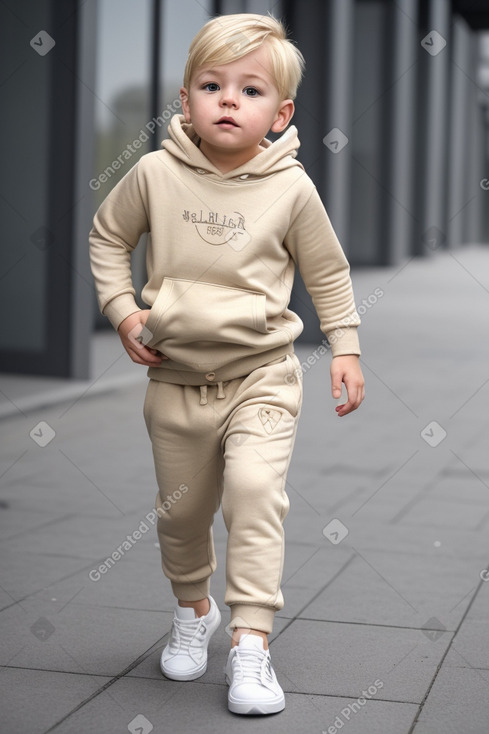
pixel 348 406
pixel 137 359
pixel 344 409
pixel 144 356
pixel 355 397
pixel 158 353
pixel 151 359
pixel 336 383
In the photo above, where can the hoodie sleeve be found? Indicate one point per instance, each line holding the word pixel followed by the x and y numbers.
pixel 117 226
pixel 325 271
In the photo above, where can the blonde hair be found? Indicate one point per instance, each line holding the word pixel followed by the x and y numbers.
pixel 227 38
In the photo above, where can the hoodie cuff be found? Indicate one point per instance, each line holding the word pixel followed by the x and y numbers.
pixel 344 340
pixel 120 308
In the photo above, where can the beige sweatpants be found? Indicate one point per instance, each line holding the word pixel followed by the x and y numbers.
pixel 231 444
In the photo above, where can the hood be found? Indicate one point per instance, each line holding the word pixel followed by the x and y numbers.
pixel 183 144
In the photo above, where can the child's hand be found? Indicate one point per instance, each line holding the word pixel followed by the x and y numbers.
pixel 346 368
pixel 128 330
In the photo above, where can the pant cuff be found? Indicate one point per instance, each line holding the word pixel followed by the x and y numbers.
pixel 193 591
pixel 253 617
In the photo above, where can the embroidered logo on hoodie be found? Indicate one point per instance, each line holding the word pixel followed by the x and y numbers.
pixel 219 229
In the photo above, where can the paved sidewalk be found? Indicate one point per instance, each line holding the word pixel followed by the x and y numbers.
pixel 385 627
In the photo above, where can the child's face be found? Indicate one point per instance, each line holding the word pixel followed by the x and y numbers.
pixel 242 91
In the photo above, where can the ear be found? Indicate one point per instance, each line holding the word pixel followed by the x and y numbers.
pixel 185 104
pixel 283 117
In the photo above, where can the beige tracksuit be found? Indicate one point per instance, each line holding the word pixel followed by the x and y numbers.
pixel 222 410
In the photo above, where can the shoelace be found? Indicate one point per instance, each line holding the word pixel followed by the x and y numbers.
pixel 184 631
pixel 249 665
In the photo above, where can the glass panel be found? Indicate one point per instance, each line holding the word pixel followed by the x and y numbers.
pixel 123 80
pixel 180 22
pixel 25 240
pixel 122 90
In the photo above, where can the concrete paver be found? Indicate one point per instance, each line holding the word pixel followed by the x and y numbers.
pixel 458 702
pixel 34 700
pixel 386 537
pixel 302 714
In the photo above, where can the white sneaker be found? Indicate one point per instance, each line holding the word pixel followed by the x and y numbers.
pixel 185 656
pixel 253 685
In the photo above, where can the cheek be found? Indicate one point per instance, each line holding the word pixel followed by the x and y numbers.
pixel 200 108
pixel 259 120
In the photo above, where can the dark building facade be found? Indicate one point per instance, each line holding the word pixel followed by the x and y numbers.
pixel 392 116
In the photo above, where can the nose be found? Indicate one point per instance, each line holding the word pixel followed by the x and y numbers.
pixel 229 98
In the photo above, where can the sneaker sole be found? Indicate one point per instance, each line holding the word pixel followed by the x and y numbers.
pixel 183 676
pixel 256 708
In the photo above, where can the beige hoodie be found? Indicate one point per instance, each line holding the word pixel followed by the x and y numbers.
pixel 221 257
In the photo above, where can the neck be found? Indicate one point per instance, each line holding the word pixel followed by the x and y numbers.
pixel 225 161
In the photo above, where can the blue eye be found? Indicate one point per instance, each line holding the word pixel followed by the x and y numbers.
pixel 251 91
pixel 211 87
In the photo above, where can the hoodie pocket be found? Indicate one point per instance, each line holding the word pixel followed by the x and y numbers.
pixel 201 324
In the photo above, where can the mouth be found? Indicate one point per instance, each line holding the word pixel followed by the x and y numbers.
pixel 227 122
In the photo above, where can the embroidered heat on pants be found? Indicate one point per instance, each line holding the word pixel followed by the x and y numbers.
pixel 230 446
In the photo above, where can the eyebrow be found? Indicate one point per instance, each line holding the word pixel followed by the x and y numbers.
pixel 245 76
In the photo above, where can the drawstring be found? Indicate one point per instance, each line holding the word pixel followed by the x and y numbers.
pixel 203 393
pixel 220 391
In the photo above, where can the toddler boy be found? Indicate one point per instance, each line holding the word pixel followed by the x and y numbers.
pixel 230 215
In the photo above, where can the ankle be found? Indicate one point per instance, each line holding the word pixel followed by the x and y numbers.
pixel 238 632
pixel 200 607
